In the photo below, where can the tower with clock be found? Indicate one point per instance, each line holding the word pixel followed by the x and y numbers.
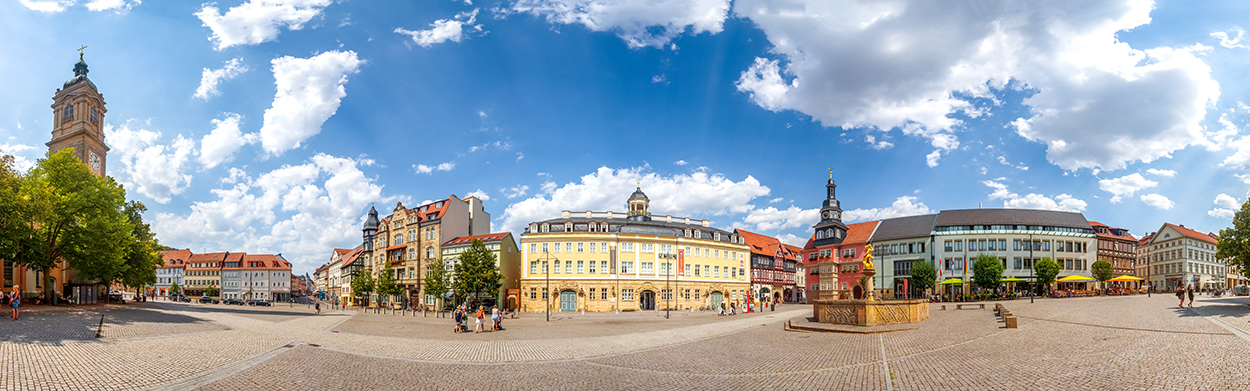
pixel 830 230
pixel 78 119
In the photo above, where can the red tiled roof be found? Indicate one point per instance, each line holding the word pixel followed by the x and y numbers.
pixel 859 233
pixel 484 238
pixel 1096 224
pixel 216 258
pixel 1194 234
pixel 766 245
pixel 235 257
pixel 341 251
pixel 173 255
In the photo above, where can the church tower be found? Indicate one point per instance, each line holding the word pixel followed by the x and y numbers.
pixel 78 119
pixel 830 230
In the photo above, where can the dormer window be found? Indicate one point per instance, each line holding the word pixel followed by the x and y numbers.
pixel 716 236
pixel 568 227
pixel 592 227
pixel 687 233
pixel 534 228
pixel 545 228
pixel 603 227
pixel 697 234
pixel 439 204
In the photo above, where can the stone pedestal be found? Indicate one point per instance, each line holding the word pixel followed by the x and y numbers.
pixel 869 293
pixel 870 312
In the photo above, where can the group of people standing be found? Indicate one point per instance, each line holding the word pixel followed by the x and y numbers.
pixel 1182 291
pixel 464 312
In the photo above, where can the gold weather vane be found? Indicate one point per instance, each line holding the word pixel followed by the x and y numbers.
pixel 80 50
pixel 830 172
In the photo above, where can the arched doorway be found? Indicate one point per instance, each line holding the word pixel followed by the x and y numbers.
pixel 777 297
pixel 789 296
pixel 716 298
pixel 568 301
pixel 646 301
pixel 858 292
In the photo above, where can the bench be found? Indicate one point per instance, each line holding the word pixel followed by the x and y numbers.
pixel 961 306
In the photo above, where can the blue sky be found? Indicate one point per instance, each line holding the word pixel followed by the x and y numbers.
pixel 272 125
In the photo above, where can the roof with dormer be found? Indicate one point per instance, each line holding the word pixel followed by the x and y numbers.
pixel 1189 233
pixel 486 238
pixel 175 258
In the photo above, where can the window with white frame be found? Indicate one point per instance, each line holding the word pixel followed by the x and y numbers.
pixel 627 247
pixel 568 247
pixel 581 267
pixel 646 268
pixel 581 247
pixel 648 248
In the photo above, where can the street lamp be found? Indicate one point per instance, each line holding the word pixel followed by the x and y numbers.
pixel 547 258
pixel 668 269
pixel 1033 265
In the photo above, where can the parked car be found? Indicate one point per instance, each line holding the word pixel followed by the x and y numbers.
pixel 180 297
pixel 232 301
pixel 209 300
pixel 259 302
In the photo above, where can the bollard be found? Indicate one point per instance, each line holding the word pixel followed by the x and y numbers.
pixel 1010 321
pixel 943 307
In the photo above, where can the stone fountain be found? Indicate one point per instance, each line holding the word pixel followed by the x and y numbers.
pixel 870 311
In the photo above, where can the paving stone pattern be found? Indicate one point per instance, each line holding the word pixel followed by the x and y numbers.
pixel 1115 343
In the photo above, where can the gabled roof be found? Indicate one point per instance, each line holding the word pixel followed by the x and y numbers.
pixel 767 245
pixel 492 237
pixel 234 257
pixel 1111 231
pixel 265 261
pixel 1193 234
pixel 341 251
pixel 859 233
pixel 174 255
pixel 207 258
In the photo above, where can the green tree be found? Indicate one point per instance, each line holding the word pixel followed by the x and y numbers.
pixel 437 282
pixel 210 291
pixel 70 215
pixel 1102 271
pixel 386 284
pixel 362 285
pixel 142 257
pixel 174 288
pixel 478 271
pixel 1233 245
pixel 16 233
pixel 987 271
pixel 1045 272
pixel 923 275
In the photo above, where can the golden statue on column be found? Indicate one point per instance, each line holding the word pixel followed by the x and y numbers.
pixel 868 266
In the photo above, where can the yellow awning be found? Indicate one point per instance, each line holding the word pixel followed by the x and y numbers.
pixel 1125 278
pixel 1075 278
pixel 953 281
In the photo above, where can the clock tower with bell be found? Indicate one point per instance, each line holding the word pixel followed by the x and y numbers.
pixel 830 230
pixel 78 119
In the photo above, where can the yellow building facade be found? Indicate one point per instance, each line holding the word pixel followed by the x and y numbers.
pixel 606 261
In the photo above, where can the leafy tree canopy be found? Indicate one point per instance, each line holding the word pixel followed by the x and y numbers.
pixel 437 282
pixel 987 271
pixel 478 271
pixel 1045 271
pixel 1102 271
pixel 1234 243
pixel 362 285
pixel 386 284
pixel 923 275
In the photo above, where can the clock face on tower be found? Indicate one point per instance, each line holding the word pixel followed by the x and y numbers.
pixel 94 161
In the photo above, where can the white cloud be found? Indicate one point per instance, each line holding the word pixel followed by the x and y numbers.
pixel 792 239
pixel 918 66
pixel 1062 202
pixel 1125 186
pixel 515 191
pixel 776 200
pixel 444 30
pixel 902 206
pixel 1164 173
pixel 155 170
pixel 877 145
pixel 422 169
pixel 1157 201
pixel 641 23
pixel 225 139
pixel 446 166
pixel 20 163
pixel 1233 43
pixel 301 211
pixel 1225 207
pixel 119 5
pixel 209 78
pixel 47 5
pixel 932 158
pixel 479 194
pixel 771 218
pixel 680 162
pixel 309 92
pixel 697 194
pixel 257 21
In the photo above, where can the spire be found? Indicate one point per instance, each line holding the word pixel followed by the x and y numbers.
pixel 80 73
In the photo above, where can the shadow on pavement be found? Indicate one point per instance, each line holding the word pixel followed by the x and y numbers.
pixel 57 325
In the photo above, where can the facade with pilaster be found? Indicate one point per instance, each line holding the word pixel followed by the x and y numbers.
pixel 633 261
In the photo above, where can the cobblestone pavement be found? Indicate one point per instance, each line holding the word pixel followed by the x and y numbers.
pixel 1115 343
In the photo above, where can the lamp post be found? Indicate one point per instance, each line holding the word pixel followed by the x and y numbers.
pixel 547 268
pixel 1032 266
pixel 668 270
pixel 616 271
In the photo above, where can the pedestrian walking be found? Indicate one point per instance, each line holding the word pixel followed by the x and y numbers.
pixel 1191 296
pixel 15 299
pixel 459 316
pixel 494 318
pixel 318 307
pixel 481 318
pixel 1180 294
